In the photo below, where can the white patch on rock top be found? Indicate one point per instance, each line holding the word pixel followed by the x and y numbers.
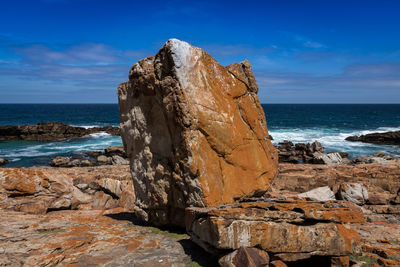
pixel 185 57
pixel 181 52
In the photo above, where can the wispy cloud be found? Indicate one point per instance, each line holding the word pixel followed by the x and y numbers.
pixel 355 83
pixel 374 69
pixel 307 42
pixel 89 61
pixel 304 41
pixel 63 70
pixel 90 53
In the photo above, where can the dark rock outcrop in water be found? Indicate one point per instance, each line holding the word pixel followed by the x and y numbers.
pixel 3 161
pixel 50 131
pixel 309 153
pixel 195 132
pixel 388 138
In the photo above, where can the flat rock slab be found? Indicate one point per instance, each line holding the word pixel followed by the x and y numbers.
pixel 87 238
pixel 289 230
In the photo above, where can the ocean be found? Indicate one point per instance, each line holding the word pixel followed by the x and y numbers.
pixel 329 124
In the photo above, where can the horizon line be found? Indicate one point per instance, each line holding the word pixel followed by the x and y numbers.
pixel 261 103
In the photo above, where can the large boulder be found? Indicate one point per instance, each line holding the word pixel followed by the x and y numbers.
pixel 194 131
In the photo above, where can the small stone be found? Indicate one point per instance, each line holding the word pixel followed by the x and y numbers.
pixel 317 147
pixel 94 154
pixel 378 199
pixel 75 163
pixel 245 256
pixel 328 159
pixel 343 261
pixel 354 192
pixel 3 161
pixel 115 150
pixel 118 160
pixel 87 163
pixel 82 187
pixel 60 162
pixel 319 194
pixel 277 263
pixel 104 160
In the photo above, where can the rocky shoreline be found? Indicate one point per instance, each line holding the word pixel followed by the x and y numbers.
pixel 202 167
pixel 42 207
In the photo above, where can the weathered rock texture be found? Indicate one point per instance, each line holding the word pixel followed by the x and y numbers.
pixel 380 236
pixel 195 132
pixel 38 191
pixel 91 238
pixel 50 131
pixel 288 230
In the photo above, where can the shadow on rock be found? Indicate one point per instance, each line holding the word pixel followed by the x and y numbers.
pixel 198 254
pixel 128 216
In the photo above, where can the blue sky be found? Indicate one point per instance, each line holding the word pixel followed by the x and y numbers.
pixel 78 51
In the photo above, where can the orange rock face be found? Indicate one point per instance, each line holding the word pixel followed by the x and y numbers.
pixel 195 132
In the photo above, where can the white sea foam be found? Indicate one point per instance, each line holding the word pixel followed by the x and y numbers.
pixel 85 126
pixel 99 135
pixel 334 139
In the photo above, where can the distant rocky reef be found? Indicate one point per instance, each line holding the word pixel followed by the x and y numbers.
pixel 387 138
pixel 50 131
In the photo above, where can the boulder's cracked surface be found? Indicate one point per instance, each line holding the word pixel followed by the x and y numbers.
pixel 195 132
pixel 288 230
